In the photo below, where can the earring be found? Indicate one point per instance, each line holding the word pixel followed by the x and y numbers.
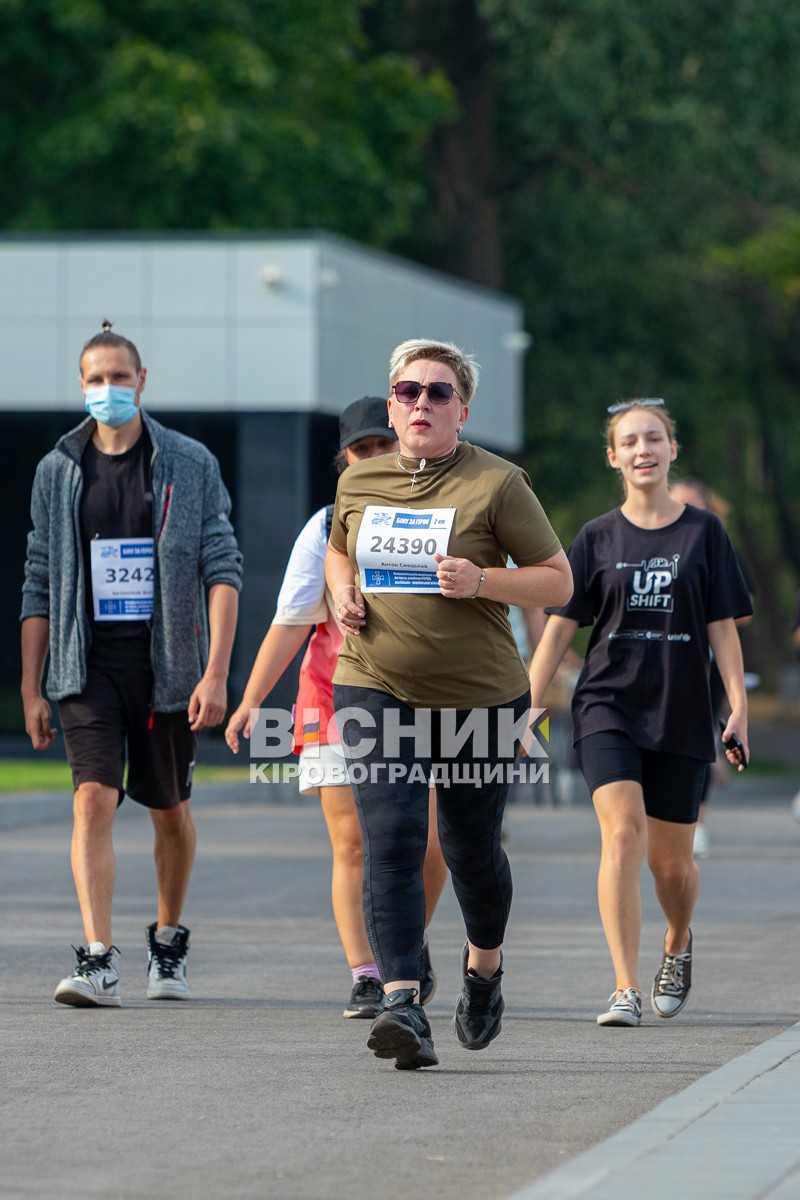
pixel 389 423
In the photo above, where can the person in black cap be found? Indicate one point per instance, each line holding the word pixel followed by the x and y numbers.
pixel 364 430
pixel 304 604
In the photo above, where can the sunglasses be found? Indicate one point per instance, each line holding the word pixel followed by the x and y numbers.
pixel 647 402
pixel 407 391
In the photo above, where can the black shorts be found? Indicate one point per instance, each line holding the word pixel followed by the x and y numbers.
pixel 112 715
pixel 672 784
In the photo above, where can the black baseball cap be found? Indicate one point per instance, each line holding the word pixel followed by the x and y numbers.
pixel 367 417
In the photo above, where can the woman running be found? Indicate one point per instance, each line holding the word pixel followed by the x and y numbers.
pixel 660 584
pixel 303 606
pixel 417 565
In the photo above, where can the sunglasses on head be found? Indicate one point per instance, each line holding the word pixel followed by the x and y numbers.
pixel 407 391
pixel 646 402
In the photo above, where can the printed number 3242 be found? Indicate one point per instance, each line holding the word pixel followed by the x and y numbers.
pixel 126 575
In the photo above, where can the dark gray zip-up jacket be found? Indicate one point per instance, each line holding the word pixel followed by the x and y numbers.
pixel 195 548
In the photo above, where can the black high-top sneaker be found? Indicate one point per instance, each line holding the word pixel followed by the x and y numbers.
pixel 402 1032
pixel 166 964
pixel 479 1008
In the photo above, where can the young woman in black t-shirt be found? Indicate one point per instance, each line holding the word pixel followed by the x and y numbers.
pixel 659 582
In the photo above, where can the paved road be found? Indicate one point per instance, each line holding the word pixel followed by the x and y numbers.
pixel 258 1088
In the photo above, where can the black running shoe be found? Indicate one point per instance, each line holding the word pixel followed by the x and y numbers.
pixel 366 998
pixel 402 1032
pixel 479 1008
pixel 673 983
pixel 427 975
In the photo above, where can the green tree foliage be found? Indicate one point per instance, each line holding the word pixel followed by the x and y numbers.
pixel 208 114
pixel 631 171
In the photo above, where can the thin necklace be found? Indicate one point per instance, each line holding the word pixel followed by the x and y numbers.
pixel 423 462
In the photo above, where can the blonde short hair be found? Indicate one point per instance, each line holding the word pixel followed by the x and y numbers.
pixel 464 366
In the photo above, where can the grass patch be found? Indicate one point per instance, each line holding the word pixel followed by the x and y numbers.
pixel 208 774
pixel 767 766
pixel 45 775
pixel 32 775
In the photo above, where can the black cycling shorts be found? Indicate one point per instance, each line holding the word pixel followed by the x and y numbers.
pixel 111 721
pixel 672 784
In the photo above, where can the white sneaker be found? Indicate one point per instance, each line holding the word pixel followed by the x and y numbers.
pixel 95 983
pixel 702 841
pixel 626 1009
pixel 166 964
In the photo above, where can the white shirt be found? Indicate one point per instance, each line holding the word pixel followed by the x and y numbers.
pixel 302 599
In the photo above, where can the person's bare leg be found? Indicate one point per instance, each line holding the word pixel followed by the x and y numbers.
pixel 174 847
pixel 93 864
pixel 676 877
pixel 623 830
pixel 344 831
pixel 485 962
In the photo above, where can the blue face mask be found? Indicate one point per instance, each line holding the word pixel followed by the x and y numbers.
pixel 111 405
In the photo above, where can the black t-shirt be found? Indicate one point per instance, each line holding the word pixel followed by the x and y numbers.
pixel 651 594
pixel 117 501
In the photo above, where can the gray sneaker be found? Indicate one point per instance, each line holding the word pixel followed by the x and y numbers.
pixel 626 1009
pixel 166 965
pixel 702 841
pixel 94 982
pixel 673 983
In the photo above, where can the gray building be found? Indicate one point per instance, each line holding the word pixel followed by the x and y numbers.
pixel 254 344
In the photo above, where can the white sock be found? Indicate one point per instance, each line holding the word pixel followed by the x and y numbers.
pixel 97 948
pixel 165 934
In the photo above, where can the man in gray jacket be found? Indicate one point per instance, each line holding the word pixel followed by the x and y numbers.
pixel 132 583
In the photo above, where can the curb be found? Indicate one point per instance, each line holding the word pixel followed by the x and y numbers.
pixel 633 1161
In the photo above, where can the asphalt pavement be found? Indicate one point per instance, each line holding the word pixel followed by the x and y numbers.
pixel 258 1088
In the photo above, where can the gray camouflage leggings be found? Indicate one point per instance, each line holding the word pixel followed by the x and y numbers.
pixel 390 781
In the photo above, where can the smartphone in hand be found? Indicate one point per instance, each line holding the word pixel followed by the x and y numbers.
pixel 733 743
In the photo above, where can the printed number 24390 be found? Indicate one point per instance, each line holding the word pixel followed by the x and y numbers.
pixel 402 545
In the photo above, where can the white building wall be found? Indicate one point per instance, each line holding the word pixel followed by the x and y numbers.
pixel 299 323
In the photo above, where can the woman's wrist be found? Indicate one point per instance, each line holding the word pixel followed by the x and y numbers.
pixel 481 582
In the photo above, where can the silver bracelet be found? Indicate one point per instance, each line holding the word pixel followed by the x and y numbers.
pixel 481 582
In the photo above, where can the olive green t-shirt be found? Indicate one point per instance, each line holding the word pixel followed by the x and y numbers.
pixel 429 651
